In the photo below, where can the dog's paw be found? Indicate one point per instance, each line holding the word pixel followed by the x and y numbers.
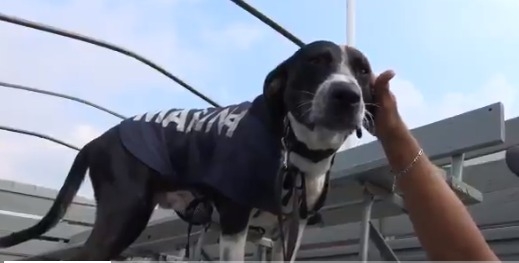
pixel 315 219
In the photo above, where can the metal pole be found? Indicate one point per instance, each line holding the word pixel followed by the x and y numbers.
pixel 350 22
pixel 364 225
pixel 197 255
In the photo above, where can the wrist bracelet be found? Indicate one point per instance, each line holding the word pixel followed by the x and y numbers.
pixel 405 170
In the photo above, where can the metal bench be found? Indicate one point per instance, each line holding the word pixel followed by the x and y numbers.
pixel 512 159
pixel 22 205
pixel 497 216
pixel 27 204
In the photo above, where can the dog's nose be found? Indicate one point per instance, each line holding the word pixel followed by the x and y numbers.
pixel 344 93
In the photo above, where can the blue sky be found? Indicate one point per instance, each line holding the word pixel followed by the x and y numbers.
pixel 449 56
pixel 440 46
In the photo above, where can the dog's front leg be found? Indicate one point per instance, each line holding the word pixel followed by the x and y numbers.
pixel 277 249
pixel 232 247
pixel 234 225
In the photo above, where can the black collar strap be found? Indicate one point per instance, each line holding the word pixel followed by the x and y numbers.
pixel 301 148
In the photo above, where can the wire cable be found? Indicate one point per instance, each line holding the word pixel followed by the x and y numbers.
pixel 61 95
pixel 263 18
pixel 39 135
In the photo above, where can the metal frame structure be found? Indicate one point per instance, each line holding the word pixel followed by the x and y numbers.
pixel 374 190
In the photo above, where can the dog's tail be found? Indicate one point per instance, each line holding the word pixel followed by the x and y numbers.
pixel 65 196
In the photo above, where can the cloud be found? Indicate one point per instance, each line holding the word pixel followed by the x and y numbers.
pixel 54 63
pixel 420 112
pixel 417 111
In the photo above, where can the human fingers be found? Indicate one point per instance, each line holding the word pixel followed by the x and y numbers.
pixel 381 84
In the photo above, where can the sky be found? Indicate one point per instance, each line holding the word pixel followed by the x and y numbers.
pixel 449 57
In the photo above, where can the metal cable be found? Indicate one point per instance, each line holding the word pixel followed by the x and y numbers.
pixel 269 22
pixel 100 43
pixel 39 135
pixel 61 95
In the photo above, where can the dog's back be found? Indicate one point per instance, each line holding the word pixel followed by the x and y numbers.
pixel 229 149
pixel 176 141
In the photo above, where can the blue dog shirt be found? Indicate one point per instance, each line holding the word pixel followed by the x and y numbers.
pixel 230 149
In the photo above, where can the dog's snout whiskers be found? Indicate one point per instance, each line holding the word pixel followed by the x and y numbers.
pixel 306 112
pixel 307 92
pixel 304 103
pixel 369 118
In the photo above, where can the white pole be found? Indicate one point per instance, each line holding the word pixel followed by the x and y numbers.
pixel 350 22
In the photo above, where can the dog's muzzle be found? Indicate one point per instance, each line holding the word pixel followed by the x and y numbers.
pixel 343 97
pixel 338 106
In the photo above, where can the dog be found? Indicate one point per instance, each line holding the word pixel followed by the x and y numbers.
pixel 311 104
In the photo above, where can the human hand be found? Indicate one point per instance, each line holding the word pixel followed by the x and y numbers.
pixel 386 117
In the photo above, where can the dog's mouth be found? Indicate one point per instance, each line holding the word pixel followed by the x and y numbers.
pixel 347 122
pixel 339 123
pixel 339 107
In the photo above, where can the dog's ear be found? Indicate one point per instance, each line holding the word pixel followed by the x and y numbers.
pixel 371 108
pixel 369 122
pixel 275 84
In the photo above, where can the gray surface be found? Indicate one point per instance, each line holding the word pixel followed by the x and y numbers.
pixel 36 200
pixel 499 208
pixel 512 159
pixel 512 138
pixel 28 199
pixel 501 198
pixel 496 216
pixel 9 258
pixel 41 192
pixel 503 240
pixel 439 140
pixel 63 230
pixel 32 247
pixel 33 201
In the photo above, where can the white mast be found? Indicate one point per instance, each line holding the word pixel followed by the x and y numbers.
pixel 350 22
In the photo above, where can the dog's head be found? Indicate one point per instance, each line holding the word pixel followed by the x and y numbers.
pixel 323 86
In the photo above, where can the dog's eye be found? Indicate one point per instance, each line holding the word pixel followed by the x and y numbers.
pixel 321 59
pixel 317 60
pixel 364 71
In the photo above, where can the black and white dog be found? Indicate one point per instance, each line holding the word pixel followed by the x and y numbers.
pixel 231 156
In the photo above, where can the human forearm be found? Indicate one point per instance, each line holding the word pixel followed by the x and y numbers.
pixel 441 221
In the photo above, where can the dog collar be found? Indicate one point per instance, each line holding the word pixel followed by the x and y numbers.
pixel 292 144
pixel 301 149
